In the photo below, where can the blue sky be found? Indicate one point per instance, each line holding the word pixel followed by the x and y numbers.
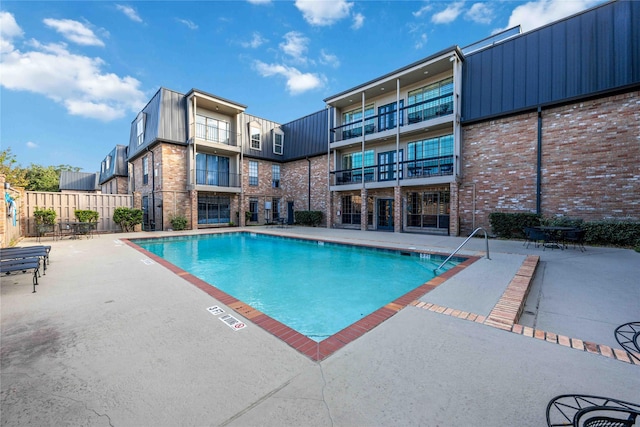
pixel 74 74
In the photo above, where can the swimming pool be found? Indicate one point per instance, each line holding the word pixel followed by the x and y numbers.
pixel 316 288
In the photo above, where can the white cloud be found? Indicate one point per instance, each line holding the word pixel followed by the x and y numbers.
pixel 9 29
pixel 424 9
pixel 74 31
pixel 76 81
pixel 295 45
pixel 32 145
pixel 323 13
pixel 538 13
pixel 130 12
pixel 256 41
pixel 421 41
pixel 297 82
pixel 448 15
pixel 190 24
pixel 259 1
pixel 329 59
pixel 358 21
pixel 480 13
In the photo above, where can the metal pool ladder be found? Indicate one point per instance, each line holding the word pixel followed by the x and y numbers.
pixel 486 240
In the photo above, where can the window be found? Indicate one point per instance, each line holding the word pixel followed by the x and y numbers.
pixel 255 138
pixel 213 209
pixel 278 142
pixel 275 179
pixel 351 208
pixel 431 101
pixel 387 165
pixel 140 128
pixel 212 170
pixel 429 157
pixel 253 209
pixel 103 167
pixel 352 167
pixel 253 172
pixel 429 209
pixel 275 205
pixel 211 129
pixel 387 116
pixel 352 122
pixel 145 170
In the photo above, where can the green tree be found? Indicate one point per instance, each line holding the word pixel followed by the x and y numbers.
pixel 41 178
pixel 14 174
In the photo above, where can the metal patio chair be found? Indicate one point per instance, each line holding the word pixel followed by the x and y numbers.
pixel 628 336
pixel 590 411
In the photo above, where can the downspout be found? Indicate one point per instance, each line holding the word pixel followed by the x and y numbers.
pixel 539 165
pixel 153 187
pixel 309 185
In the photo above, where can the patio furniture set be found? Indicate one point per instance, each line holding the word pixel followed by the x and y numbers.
pixel 554 237
pixel 71 229
pixel 598 411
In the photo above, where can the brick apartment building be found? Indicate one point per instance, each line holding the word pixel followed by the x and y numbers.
pixel 547 121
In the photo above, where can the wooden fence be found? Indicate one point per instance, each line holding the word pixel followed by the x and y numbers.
pixel 64 204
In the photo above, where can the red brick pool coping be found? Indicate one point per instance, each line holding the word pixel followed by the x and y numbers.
pixel 506 314
pixel 315 350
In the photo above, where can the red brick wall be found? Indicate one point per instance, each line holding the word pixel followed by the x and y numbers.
pixel 590 156
pixel 294 179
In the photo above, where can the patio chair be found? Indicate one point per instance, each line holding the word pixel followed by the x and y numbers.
pixel 590 411
pixel 535 236
pixel 628 336
pixel 576 237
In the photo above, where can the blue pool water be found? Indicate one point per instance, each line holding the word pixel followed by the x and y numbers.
pixel 313 287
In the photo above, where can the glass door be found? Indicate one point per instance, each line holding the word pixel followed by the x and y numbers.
pixel 385 214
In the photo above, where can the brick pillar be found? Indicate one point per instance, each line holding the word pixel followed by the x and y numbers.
pixel 454 211
pixel 397 211
pixel 241 210
pixel 363 210
pixel 193 211
pixel 330 214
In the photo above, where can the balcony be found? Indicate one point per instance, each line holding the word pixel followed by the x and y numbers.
pixel 425 169
pixel 415 113
pixel 217 136
pixel 217 179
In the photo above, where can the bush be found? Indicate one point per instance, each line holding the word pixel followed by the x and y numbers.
pixel 86 215
pixel 44 216
pixel 311 218
pixel 178 222
pixel 510 225
pixel 612 233
pixel 127 218
pixel 604 233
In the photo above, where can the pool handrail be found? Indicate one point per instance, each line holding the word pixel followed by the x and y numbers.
pixel 486 239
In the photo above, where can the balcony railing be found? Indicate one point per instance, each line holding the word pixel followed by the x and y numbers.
pixel 409 169
pixel 220 179
pixel 215 134
pixel 412 114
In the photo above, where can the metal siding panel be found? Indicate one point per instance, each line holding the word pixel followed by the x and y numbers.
pixel 635 41
pixel 622 43
pixel 532 55
pixel 508 81
pixel 558 64
pixel 605 48
pixel 588 51
pixel 497 74
pixel 545 66
pixel 486 90
pixel 573 78
pixel 520 73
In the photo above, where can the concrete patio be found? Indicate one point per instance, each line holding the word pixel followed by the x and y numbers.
pixel 112 338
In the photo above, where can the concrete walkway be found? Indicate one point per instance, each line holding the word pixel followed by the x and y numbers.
pixel 112 338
